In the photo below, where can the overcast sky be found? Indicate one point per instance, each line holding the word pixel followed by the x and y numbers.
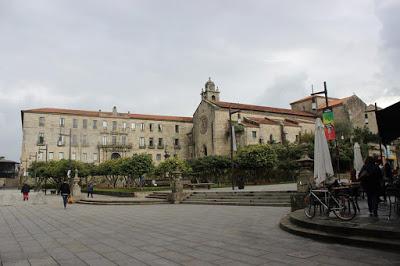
pixel 153 57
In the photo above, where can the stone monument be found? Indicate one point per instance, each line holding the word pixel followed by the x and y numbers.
pixel 177 194
pixel 76 189
pixel 305 177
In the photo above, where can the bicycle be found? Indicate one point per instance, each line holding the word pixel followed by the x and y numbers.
pixel 342 205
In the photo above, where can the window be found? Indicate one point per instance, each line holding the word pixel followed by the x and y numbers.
pixel 73 156
pixel 114 140
pixel 60 155
pixel 104 124
pixel 84 123
pixel 40 156
pixel 62 121
pixel 297 138
pixel 104 140
pixel 254 134
pixel 151 127
pixel 84 157
pixel 159 127
pixel 114 125
pixel 271 138
pixel 75 123
pixel 41 138
pixel 94 124
pixel 84 140
pixel 124 126
pixel 151 142
pixel 74 140
pixel 158 157
pixel 133 126
pixel 176 128
pixel 142 126
pixel 176 142
pixel 95 158
pixel 61 141
pixel 160 142
pixel 51 155
pixel 123 140
pixel 141 142
pixel 41 121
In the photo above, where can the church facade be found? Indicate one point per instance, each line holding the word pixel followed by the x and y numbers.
pixel 96 136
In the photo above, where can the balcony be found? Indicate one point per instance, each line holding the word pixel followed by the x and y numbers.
pixel 151 146
pixel 40 143
pixel 115 146
pixel 142 146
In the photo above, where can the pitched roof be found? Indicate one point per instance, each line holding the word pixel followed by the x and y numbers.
pixel 249 107
pixel 334 102
pixel 262 120
pixel 310 97
pixel 108 114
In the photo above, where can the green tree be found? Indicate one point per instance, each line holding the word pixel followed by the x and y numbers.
pixel 137 166
pixel 172 164
pixel 213 167
pixel 110 170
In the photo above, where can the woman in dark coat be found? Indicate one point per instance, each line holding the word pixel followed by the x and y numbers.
pixel 371 177
pixel 25 191
pixel 65 192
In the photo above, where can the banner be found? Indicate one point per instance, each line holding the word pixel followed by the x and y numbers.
pixel 328 121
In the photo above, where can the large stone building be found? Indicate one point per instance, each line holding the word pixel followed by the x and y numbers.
pixel 96 136
pixel 351 110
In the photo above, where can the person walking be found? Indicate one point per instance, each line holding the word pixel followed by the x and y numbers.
pixel 25 191
pixel 65 193
pixel 371 176
pixel 90 189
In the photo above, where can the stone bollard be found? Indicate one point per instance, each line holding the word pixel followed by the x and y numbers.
pixel 304 179
pixel 177 194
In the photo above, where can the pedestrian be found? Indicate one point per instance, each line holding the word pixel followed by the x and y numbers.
pixel 371 176
pixel 65 193
pixel 25 191
pixel 90 189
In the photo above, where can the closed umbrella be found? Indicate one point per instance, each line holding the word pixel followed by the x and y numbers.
pixel 322 158
pixel 358 161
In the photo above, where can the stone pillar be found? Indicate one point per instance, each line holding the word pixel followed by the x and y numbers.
pixel 76 189
pixel 177 194
pixel 305 177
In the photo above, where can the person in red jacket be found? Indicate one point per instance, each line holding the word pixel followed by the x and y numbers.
pixel 25 191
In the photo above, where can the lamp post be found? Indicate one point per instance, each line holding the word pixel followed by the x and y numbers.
pixel 69 151
pixel 231 112
pixel 325 92
pixel 45 179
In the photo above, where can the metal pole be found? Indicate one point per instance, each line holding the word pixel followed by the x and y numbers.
pixel 45 178
pixel 69 154
pixel 379 136
pixel 230 128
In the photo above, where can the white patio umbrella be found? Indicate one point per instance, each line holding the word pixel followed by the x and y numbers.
pixel 322 158
pixel 358 161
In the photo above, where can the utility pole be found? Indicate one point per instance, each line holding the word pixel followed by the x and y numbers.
pixel 231 112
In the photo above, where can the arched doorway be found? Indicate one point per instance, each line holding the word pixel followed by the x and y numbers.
pixel 115 155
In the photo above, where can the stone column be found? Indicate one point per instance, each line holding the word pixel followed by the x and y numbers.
pixel 76 189
pixel 177 194
pixel 304 179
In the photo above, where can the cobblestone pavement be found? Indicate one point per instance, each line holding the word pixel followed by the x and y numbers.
pixel 43 233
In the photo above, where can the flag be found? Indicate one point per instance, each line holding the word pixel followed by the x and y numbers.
pixel 234 148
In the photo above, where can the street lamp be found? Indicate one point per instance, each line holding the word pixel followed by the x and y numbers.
pixel 325 92
pixel 45 178
pixel 231 112
pixel 69 152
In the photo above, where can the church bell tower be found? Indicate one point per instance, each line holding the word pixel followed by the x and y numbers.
pixel 209 92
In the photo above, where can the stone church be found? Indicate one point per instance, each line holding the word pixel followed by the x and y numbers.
pixel 96 136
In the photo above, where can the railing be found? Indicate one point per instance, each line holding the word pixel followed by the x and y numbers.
pixel 115 146
pixel 160 146
pixel 177 146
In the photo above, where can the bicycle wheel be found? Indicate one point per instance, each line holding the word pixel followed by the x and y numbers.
pixel 309 210
pixel 346 210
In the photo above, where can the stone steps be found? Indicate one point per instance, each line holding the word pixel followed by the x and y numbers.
pixel 336 231
pixel 232 203
pixel 121 202
pixel 242 198
pixel 158 195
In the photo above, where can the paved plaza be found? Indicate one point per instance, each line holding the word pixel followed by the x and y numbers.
pixel 41 232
